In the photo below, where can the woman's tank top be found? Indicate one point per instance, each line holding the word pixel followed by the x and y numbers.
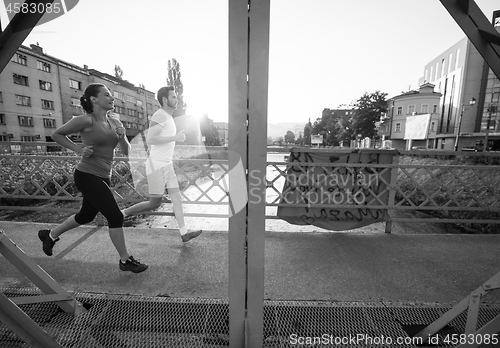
pixel 103 140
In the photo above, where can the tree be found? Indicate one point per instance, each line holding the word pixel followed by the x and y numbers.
pixel 345 130
pixel 118 72
pixel 174 79
pixel 289 137
pixel 299 140
pixel 368 110
pixel 328 126
pixel 209 131
pixel 307 133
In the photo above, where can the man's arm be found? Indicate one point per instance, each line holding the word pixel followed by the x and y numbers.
pixel 154 137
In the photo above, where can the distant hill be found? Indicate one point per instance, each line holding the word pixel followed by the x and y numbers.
pixel 276 130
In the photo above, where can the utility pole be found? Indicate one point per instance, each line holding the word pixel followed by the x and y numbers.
pixel 463 109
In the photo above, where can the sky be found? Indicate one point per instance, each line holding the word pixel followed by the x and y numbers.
pixel 322 53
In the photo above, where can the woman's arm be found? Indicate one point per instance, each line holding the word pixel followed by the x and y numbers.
pixel 75 125
pixel 121 131
pixel 123 141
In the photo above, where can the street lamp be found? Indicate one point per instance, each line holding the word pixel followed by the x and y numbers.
pixel 464 107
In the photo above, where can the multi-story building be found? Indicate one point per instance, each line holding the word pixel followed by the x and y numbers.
pixel 39 93
pixel 463 111
pixel 135 105
pixel 413 119
pixel 461 75
pixel 222 128
pixel 30 100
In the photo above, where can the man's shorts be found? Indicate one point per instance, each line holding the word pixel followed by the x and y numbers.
pixel 160 175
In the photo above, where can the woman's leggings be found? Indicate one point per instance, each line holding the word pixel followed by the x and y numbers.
pixel 97 197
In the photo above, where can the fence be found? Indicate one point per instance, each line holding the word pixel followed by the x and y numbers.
pixel 424 186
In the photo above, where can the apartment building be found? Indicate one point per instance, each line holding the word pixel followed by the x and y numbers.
pixel 413 119
pixel 223 130
pixel 461 75
pixel 39 93
pixel 457 103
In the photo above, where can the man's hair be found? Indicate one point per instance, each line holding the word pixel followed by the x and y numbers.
pixel 163 93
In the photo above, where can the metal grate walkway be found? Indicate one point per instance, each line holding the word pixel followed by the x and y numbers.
pixel 124 321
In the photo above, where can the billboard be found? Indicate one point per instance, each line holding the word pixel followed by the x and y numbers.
pixel 336 198
pixel 417 127
pixel 317 139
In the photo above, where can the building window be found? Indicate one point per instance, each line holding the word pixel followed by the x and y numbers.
pixel 434 109
pixel 131 99
pixel 28 138
pixel 131 112
pixel 399 110
pixel 433 126
pixel 75 84
pixel 19 59
pixel 25 120
pixel 149 106
pixel 139 102
pixel 411 109
pixel 4 138
pixel 75 101
pixel 120 110
pixel 118 95
pixel 49 123
pixel 2 118
pixel 424 108
pixel 140 114
pixel 398 127
pixel 46 86
pixel 20 80
pixel 43 66
pixel 47 104
pixel 23 100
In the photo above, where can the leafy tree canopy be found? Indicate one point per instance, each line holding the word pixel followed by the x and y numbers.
pixel 368 110
pixel 118 72
pixel 174 79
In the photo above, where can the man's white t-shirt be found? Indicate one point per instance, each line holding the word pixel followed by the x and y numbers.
pixel 163 152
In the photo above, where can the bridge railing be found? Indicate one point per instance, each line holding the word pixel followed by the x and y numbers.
pixel 446 191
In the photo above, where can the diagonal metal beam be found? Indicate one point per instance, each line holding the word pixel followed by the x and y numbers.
pixel 18 30
pixel 37 275
pixel 23 326
pixel 478 29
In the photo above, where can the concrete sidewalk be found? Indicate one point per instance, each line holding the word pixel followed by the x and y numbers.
pixel 427 268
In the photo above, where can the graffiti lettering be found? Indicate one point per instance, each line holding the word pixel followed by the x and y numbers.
pixel 318 186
